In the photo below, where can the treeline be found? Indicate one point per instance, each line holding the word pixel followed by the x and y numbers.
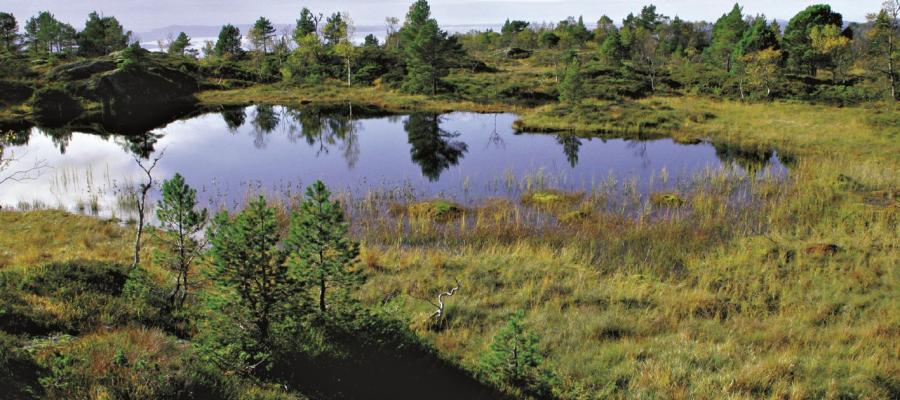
pixel 740 55
pixel 816 56
pixel 45 36
pixel 413 57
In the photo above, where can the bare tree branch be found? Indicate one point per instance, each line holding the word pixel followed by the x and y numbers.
pixel 142 203
pixel 440 306
pixel 8 159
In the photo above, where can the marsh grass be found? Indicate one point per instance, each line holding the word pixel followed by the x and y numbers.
pixel 757 285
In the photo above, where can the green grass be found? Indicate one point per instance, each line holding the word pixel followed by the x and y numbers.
pixel 334 92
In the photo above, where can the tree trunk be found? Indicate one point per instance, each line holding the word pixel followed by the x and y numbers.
pixel 322 294
pixel 891 73
pixel 142 204
pixel 348 73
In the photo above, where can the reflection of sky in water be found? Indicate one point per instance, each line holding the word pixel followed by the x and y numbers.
pixel 461 150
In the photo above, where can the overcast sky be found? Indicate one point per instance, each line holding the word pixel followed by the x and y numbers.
pixel 145 15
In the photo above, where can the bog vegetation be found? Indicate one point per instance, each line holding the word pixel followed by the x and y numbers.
pixel 736 284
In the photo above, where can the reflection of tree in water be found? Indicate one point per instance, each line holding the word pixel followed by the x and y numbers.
pixel 345 129
pixel 326 130
pixel 571 145
pixel 61 137
pixel 234 119
pixel 494 138
pixel 140 145
pixel 432 148
pixel 19 137
pixel 640 151
pixel 751 160
pixel 265 120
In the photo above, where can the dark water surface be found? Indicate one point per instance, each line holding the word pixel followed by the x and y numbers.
pixel 465 156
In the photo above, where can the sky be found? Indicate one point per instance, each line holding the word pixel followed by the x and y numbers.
pixel 147 15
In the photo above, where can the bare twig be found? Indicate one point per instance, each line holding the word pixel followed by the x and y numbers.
pixel 439 312
pixel 8 158
pixel 142 203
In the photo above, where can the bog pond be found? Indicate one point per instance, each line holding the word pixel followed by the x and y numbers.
pixel 465 157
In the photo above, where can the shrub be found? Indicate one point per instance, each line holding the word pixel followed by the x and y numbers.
pixel 18 371
pixel 131 363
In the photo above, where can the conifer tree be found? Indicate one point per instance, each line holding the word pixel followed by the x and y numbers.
pixel 9 33
pixel 335 29
pixel 514 358
pixel 611 51
pixel 426 49
pixel 759 36
pixel 180 221
pixel 229 42
pixel 570 89
pixel 801 57
pixel 101 36
pixel 44 35
pixel 306 25
pixel 247 261
pixel 727 32
pixel 261 34
pixel 180 45
pixel 320 249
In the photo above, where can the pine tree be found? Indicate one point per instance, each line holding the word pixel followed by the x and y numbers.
pixel 320 248
pixel 515 359
pixel 570 90
pixel 759 36
pixel 335 29
pixel 605 26
pixel 181 222
pixel 9 33
pixel 727 32
pixel 426 49
pixel 306 25
pixel 229 42
pixel 180 44
pixel 261 34
pixel 247 260
pixel 611 51
pixel 45 35
pixel 801 57
pixel 101 36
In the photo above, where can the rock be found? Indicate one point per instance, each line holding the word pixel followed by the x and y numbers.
pixel 80 70
pixel 54 107
pixel 823 250
pixel 12 93
pixel 137 99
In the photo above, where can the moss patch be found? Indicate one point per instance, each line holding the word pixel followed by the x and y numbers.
pixel 437 210
pixel 667 199
pixel 550 198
